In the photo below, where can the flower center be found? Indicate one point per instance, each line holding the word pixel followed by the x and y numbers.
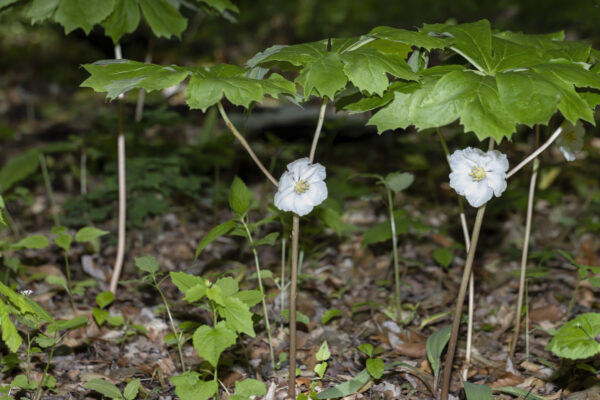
pixel 477 173
pixel 302 186
pixel 570 136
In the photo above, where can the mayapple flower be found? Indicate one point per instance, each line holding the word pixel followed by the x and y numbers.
pixel 478 175
pixel 301 187
pixel 570 140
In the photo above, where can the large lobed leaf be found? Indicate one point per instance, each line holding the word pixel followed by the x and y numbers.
pixel 575 340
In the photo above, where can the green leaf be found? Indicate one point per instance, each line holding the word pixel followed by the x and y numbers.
pixel 105 299
pixel 477 392
pixel 115 320
pixel 249 297
pixel 45 341
pixel 228 285
pixel 196 292
pixel 529 97
pixel 375 367
pixel 323 353
pixel 237 315
pixel 84 14
pixel 189 387
pixel 20 302
pixel 105 388
pixel 366 348
pixel 211 342
pixel 119 76
pixel 320 369
pixel 57 280
pixel 346 388
pixel 6 3
pixel 398 181
pixel 49 382
pixel 40 10
pixel 89 234
pixel 207 87
pixel 163 18
pixel 147 264
pixel 35 242
pixel 411 38
pixel 383 231
pixel 443 256
pixel 10 335
pixel 125 18
pixel 18 168
pixel 214 233
pixel 296 55
pixel 329 315
pixel 100 316
pixel 435 347
pixel 367 69
pixel 22 382
pixel 325 77
pixel 300 317
pixel 221 5
pixel 67 325
pixel 240 196
pixel 63 240
pixel 515 391
pixel 268 240
pixel 576 339
pixel 250 387
pixel 473 41
pixel 131 390
pixel 185 282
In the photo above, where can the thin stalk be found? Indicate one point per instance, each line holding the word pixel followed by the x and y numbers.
pixel 12 224
pixel 215 376
pixel 262 291
pixel 526 321
pixel 178 335
pixel 245 144
pixel 471 305
pixel 139 106
pixel 524 254
pixel 459 302
pixel 572 301
pixel 292 365
pixel 28 367
pixel 537 152
pixel 282 284
pixel 395 252
pixel 69 285
pixel 49 191
pixel 39 390
pixel 122 192
pixel 313 147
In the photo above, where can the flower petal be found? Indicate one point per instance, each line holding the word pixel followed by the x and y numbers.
pixel 459 182
pixel 302 205
pixel 497 182
pixel 296 168
pixel 479 194
pixel 317 193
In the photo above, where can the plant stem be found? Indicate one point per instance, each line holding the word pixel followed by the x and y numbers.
pixel 245 144
pixel 459 302
pixel 282 284
pixel 313 147
pixel 39 390
pixel 465 230
pixel 49 191
pixel 533 155
pixel 292 369
pixel 395 252
pixel 28 368
pixel 572 301
pixel 262 291
pixel 122 192
pixel 69 285
pixel 530 200
pixel 139 106
pixel 178 335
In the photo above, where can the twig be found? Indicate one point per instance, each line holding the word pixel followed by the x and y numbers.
pixel 533 155
pixel 245 144
pixel 294 277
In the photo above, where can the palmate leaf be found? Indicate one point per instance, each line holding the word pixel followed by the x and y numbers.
pixel 163 18
pixel 119 76
pixel 576 339
pixel 125 18
pixel 410 38
pixel 326 66
pixel 221 5
pixel 84 14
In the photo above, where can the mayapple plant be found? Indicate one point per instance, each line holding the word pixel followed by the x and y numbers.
pixel 490 87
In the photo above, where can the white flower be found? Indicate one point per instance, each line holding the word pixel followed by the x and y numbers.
pixel 301 187
pixel 478 175
pixel 570 140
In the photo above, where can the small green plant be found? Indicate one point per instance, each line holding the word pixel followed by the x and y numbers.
pixel 435 346
pixel 576 339
pixel 583 272
pixel 375 365
pixel 231 316
pixel 107 389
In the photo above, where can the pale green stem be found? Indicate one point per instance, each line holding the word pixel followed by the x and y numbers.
pixel 394 252
pixel 572 301
pixel 282 284
pixel 313 146
pixel 294 277
pixel 525 251
pixel 245 144
pixel 262 291
pixel 49 192
pixel 69 284
pixel 39 390
pixel 178 335
pixel 533 155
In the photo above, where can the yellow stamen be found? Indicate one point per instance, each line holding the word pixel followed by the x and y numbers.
pixel 302 186
pixel 570 135
pixel 477 173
